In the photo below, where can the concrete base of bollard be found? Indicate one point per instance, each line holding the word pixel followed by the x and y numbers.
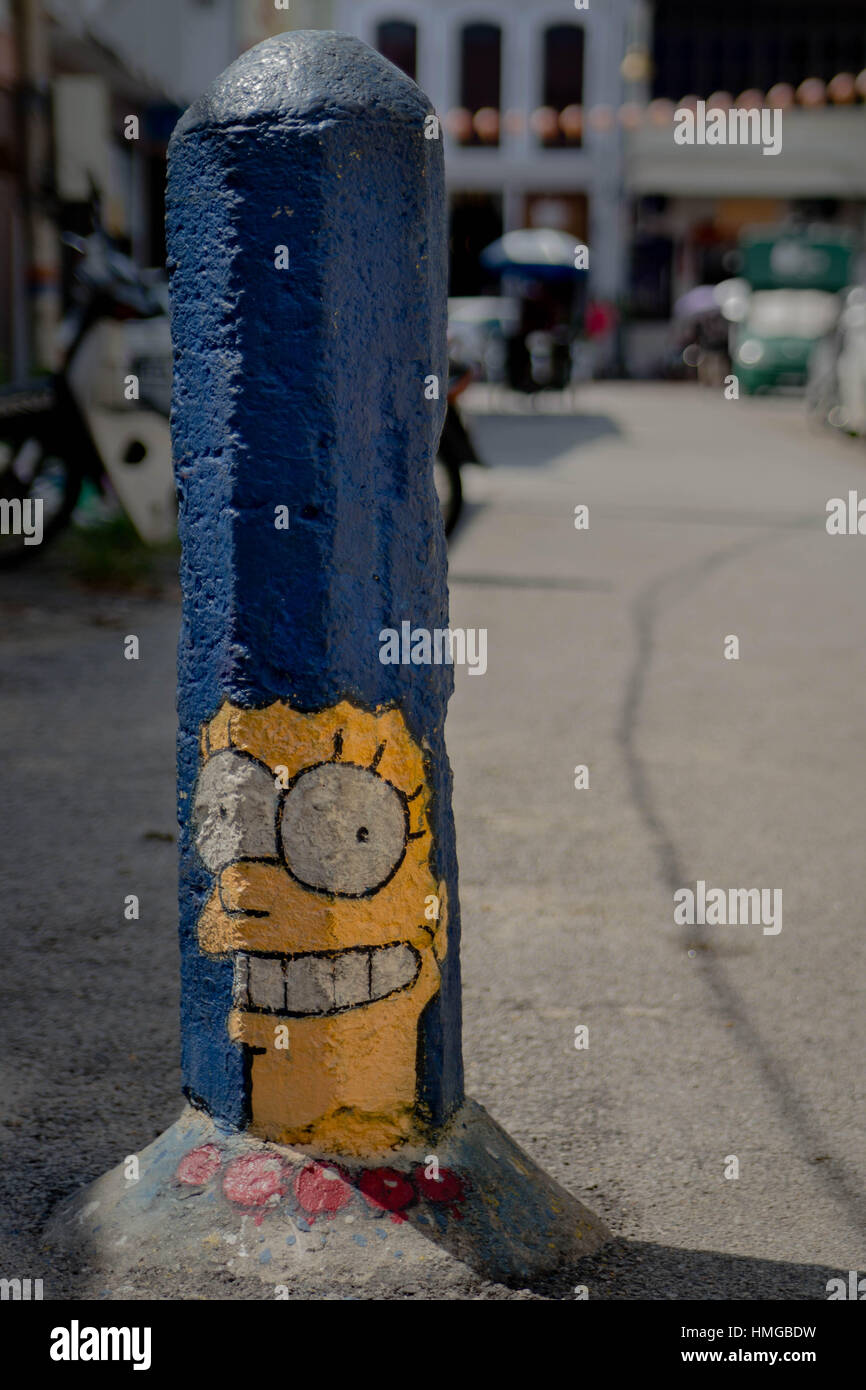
pixel 211 1202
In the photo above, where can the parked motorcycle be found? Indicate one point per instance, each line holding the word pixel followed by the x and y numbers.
pixel 103 415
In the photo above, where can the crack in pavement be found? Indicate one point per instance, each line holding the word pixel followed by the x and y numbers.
pixel 795 1110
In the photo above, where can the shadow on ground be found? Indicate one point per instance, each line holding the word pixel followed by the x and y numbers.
pixel 644 1270
pixel 624 1271
pixel 535 440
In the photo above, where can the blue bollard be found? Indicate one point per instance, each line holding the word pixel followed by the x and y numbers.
pixel 307 255
pixel 319 917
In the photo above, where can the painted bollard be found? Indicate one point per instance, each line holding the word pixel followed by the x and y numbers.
pixel 327 905
pixel 306 246
pixel 319 915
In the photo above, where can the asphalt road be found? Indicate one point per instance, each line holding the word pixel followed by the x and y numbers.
pixel 605 648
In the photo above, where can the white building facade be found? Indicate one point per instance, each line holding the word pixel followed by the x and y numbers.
pixel 534 60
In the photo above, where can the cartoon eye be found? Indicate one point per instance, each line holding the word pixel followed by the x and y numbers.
pixel 344 829
pixel 233 812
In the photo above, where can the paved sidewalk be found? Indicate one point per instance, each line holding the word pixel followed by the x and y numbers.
pixel 605 648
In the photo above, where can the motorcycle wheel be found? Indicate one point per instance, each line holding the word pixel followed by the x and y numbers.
pixel 31 469
pixel 449 489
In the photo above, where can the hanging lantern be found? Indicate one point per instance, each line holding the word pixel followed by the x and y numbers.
pixel 689 103
pixel 720 101
pixel 571 122
pixel 486 123
pixel 458 123
pixel 661 111
pixel 812 92
pixel 781 96
pixel 545 123
pixel 636 66
pixel 842 89
pixel 750 100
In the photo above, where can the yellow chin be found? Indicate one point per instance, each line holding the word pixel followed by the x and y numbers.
pixel 343 1082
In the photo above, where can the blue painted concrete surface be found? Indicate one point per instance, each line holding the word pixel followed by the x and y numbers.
pixel 305 388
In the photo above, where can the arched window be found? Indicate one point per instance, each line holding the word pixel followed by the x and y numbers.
pixel 563 83
pixel 481 81
pixel 398 42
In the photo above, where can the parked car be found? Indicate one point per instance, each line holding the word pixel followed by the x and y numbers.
pixel 793 277
pixel 775 341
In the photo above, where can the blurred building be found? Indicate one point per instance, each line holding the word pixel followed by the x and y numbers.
pixel 72 73
pixel 528 95
pixel 552 115
pixel 261 19
pixel 690 203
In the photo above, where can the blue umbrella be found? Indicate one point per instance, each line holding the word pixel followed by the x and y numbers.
pixel 538 253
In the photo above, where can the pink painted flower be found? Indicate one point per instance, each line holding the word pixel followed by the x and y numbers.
pixel 255 1180
pixel 322 1187
pixel 199 1165
pixel 448 1187
pixel 386 1188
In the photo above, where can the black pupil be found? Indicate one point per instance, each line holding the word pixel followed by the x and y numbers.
pixel 363 834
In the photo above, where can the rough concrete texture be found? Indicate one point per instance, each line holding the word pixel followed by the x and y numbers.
pixel 304 388
pixel 207 1202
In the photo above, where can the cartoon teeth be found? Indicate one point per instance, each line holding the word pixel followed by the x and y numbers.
pixel 323 984
pixel 317 829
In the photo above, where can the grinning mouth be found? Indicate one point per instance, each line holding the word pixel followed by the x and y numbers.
pixel 320 983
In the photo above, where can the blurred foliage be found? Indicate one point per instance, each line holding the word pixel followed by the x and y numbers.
pixel 109 554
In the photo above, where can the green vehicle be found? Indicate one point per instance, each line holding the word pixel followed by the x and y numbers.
pixel 791 301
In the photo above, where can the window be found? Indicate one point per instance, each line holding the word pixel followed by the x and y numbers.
pixel 398 42
pixel 563 85
pixel 480 82
pixel 475 221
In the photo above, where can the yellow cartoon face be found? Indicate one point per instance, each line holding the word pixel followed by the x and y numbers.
pixel 315 829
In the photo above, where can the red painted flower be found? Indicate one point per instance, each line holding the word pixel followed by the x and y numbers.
pixel 199 1165
pixel 448 1187
pixel 255 1179
pixel 386 1188
pixel 322 1187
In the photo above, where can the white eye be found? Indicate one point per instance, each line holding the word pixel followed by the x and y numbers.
pixel 344 829
pixel 234 810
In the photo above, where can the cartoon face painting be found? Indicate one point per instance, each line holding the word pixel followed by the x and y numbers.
pixel 315 829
